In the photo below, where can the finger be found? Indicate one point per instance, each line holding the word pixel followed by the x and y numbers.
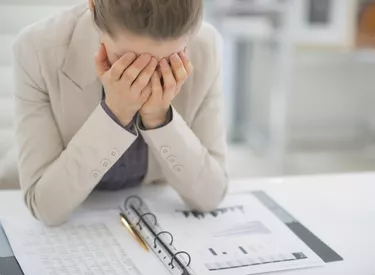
pixel 170 84
pixel 157 89
pixel 131 73
pixel 145 76
pixel 178 69
pixel 146 93
pixel 92 5
pixel 187 64
pixel 121 65
pixel 101 61
pixel 168 78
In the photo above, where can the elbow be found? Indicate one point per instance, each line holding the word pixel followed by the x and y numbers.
pixel 51 222
pixel 206 206
pixel 46 218
pixel 43 214
pixel 209 196
pixel 211 202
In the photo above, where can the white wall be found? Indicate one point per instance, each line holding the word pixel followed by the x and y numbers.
pixel 331 99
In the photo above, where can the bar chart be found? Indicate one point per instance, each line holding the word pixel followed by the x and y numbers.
pixel 253 261
pixel 247 228
pixel 216 213
pixel 214 253
pixel 236 253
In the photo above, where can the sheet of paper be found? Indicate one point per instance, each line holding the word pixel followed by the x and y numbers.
pixel 95 245
pixel 241 237
pixel 5 249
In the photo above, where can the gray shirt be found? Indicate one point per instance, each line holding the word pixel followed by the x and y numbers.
pixel 131 168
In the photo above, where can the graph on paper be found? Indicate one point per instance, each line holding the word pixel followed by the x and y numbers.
pixel 235 253
pixel 216 213
pixel 246 256
pixel 240 237
pixel 246 228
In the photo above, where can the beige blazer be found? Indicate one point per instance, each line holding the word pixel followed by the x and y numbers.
pixel 66 140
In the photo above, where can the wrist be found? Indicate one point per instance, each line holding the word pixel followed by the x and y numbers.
pixel 125 118
pixel 125 121
pixel 154 121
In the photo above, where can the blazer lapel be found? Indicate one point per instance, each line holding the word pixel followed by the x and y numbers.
pixel 81 90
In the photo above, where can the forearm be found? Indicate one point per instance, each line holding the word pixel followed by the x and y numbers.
pixel 72 176
pixel 199 176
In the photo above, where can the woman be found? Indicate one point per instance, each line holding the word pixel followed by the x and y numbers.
pixel 135 113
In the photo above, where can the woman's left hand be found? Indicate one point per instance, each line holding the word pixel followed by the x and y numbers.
pixel 155 111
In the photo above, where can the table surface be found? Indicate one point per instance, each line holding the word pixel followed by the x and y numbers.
pixel 339 209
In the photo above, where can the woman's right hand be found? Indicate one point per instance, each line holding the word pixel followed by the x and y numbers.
pixel 124 82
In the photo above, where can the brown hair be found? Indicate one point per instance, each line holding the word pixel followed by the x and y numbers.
pixel 159 19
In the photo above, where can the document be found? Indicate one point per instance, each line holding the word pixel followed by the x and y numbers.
pixel 85 246
pixel 240 237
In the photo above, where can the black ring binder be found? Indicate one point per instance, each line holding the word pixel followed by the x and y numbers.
pixel 133 197
pixel 143 215
pixel 162 232
pixel 175 255
pixel 168 249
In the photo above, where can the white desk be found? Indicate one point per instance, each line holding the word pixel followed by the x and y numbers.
pixel 339 209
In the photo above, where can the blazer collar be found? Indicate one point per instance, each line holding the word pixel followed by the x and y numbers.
pixel 79 65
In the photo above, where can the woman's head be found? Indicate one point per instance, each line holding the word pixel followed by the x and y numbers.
pixel 156 27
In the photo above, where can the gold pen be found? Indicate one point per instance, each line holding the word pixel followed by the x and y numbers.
pixel 132 231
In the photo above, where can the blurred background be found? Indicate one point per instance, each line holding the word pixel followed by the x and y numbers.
pixel 298 82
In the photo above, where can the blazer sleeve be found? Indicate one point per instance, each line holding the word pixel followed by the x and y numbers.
pixel 193 158
pixel 55 180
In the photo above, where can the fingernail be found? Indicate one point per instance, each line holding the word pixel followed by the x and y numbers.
pixel 164 63
pixel 174 57
pixel 146 56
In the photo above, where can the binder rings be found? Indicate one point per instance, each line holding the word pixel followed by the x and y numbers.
pixel 160 241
